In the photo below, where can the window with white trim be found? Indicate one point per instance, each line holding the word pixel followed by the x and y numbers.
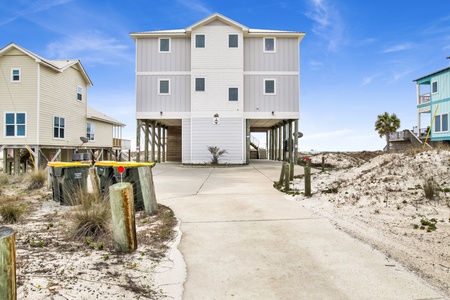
pixel 163 86
pixel 79 93
pixel 434 87
pixel 269 87
pixel 269 45
pixel 199 41
pixel 233 41
pixel 15 124
pixel 16 75
pixel 59 127
pixel 164 45
pixel 233 94
pixel 441 123
pixel 199 84
pixel 90 131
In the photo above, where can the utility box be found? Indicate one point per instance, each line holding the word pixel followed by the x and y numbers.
pixel 68 178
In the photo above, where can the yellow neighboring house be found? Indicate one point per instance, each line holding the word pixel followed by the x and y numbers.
pixel 44 114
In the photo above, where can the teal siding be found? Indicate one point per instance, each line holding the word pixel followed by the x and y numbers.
pixel 444 108
pixel 443 81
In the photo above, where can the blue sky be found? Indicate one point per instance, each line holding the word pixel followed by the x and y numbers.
pixel 358 58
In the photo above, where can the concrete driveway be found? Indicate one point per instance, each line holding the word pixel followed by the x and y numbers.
pixel 242 239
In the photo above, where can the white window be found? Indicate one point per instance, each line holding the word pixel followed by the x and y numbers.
pixel 233 94
pixel 199 84
pixel 59 127
pixel 434 87
pixel 233 41
pixel 441 123
pixel 199 41
pixel 269 45
pixel 79 93
pixel 269 87
pixel 90 131
pixel 164 45
pixel 164 86
pixel 15 124
pixel 15 75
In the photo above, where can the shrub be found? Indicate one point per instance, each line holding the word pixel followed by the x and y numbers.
pixel 37 179
pixel 90 216
pixel 430 188
pixel 216 154
pixel 11 209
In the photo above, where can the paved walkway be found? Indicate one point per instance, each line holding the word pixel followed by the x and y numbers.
pixel 242 239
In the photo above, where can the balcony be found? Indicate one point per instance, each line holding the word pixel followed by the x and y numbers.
pixel 425 98
pixel 122 144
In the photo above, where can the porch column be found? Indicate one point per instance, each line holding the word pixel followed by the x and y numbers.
pixel 146 138
pixel 164 144
pixel 16 162
pixel 267 144
pixel 280 142
pixel 295 141
pixel 159 142
pixel 284 139
pixel 153 140
pixel 291 151
pixel 5 158
pixel 138 141
pixel 418 93
pixel 247 142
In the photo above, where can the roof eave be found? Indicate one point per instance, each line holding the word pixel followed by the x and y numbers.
pixel 431 74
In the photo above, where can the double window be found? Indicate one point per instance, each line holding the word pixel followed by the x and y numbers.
pixel 441 123
pixel 163 86
pixel 15 75
pixel 269 45
pixel 59 127
pixel 164 45
pixel 90 131
pixel 79 93
pixel 15 124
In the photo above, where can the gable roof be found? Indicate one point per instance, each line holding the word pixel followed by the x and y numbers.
pixel 216 16
pixel 434 73
pixel 94 114
pixel 56 65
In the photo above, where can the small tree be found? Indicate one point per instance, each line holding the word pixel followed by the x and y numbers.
pixel 216 154
pixel 387 124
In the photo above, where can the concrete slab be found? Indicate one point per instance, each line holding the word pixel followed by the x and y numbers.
pixel 242 239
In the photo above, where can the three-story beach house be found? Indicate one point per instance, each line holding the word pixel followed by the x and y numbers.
pixel 212 84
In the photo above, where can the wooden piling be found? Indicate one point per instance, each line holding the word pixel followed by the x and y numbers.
pixel 323 163
pixel 286 176
pixel 280 181
pixel 307 172
pixel 8 288
pixel 123 219
pixel 148 190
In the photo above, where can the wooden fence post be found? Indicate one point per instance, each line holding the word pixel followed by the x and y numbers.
pixel 286 176
pixel 148 190
pixel 123 220
pixel 8 288
pixel 323 163
pixel 307 172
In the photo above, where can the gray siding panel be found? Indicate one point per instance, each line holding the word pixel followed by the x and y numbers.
pixel 229 135
pixel 285 59
pixel 149 60
pixel 286 98
pixel 148 100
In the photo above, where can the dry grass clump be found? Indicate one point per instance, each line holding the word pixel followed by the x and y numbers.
pixel 4 180
pixel 91 215
pixel 431 188
pixel 36 180
pixel 12 209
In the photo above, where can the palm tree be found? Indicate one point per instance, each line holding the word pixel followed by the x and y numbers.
pixel 387 124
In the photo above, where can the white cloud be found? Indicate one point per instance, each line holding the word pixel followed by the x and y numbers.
pixel 398 47
pixel 327 23
pixel 195 5
pixel 17 9
pixel 91 47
